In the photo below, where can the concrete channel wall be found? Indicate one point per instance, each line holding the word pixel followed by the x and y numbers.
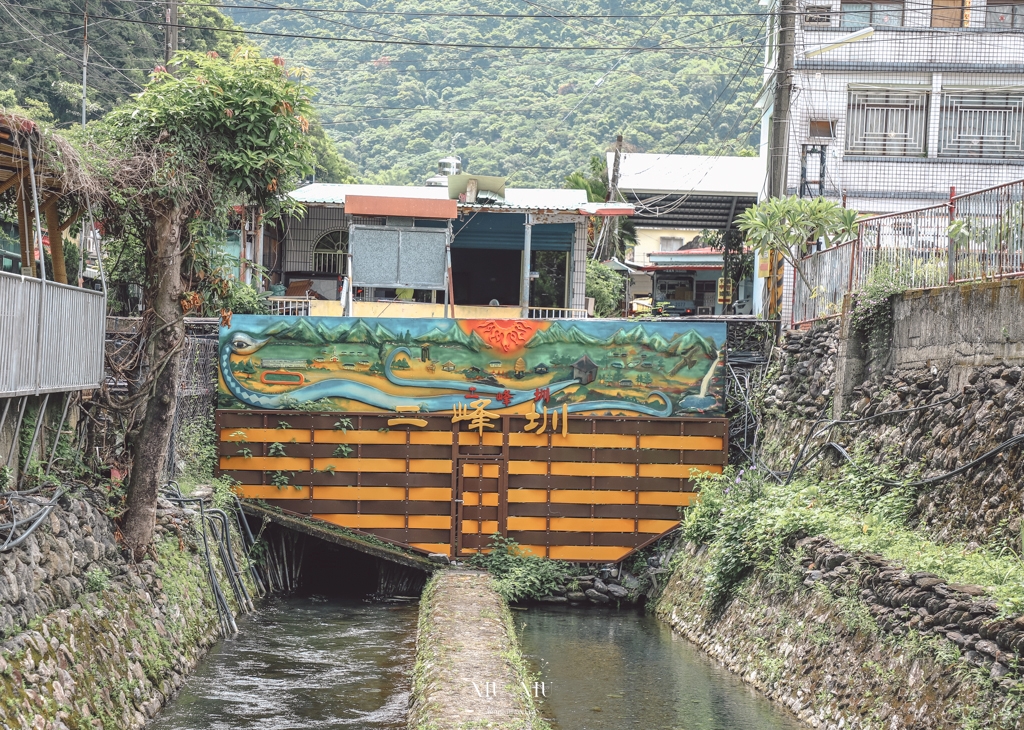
pixel 469 670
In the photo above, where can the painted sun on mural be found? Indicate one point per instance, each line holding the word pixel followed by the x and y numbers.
pixel 600 367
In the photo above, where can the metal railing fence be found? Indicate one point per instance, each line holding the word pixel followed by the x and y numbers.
pixel 51 336
pixel 977 236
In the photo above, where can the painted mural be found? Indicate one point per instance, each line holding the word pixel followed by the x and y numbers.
pixel 594 366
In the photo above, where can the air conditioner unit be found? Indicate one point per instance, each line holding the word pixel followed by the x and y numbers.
pixel 705 310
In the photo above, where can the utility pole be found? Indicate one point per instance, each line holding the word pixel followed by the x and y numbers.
pixel 778 146
pixel 85 55
pixel 170 31
pixel 610 226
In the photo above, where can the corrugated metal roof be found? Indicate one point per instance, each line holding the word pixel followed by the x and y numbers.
pixel 516 199
pixel 701 174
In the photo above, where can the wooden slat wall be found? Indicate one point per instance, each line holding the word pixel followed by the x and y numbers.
pixel 597 492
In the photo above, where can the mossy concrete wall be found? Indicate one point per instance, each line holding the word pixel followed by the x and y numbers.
pixel 91 640
pixel 469 671
pixel 807 638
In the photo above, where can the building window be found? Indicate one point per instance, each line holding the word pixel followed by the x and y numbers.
pixel 822 128
pixel 1005 15
pixel 982 124
pixel 329 252
pixel 818 16
pixel 887 123
pixel 671 243
pixel 861 15
pixel 949 13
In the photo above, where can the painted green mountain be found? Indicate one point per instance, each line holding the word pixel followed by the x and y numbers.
pixel 456 336
pixel 433 77
pixel 557 333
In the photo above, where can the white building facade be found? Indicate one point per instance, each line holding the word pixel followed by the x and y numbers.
pixel 890 120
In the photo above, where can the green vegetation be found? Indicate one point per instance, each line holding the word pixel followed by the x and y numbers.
pixel 788 226
pixel 606 286
pixel 519 576
pixel 749 521
pixel 686 84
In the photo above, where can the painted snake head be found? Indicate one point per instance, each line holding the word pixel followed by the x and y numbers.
pixel 242 344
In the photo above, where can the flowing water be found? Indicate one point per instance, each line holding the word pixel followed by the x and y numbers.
pixel 321 664
pixel 608 670
pixel 304 663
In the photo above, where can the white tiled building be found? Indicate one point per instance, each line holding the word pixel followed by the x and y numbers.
pixel 933 98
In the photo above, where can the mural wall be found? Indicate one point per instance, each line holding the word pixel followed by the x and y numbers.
pixel 600 367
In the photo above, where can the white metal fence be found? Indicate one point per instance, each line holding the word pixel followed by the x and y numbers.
pixel 974 237
pixel 51 336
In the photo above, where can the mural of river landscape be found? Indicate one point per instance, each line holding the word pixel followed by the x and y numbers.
pixel 600 367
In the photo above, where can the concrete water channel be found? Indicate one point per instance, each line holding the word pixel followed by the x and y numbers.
pixel 310 662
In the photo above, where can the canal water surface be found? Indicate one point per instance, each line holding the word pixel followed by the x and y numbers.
pixel 304 663
pixel 323 664
pixel 609 670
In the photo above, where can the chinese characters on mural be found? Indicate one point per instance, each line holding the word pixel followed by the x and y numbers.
pixel 474 369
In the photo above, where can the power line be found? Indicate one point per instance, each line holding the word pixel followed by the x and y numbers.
pixel 419 13
pixel 342 39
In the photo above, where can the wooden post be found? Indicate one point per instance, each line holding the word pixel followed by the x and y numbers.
pixel 53 229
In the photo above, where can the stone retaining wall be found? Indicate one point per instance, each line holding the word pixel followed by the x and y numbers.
pixel 852 642
pixel 92 640
pixel 956 423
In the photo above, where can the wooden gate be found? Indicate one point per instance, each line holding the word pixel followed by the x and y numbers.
pixel 479 513
pixel 588 488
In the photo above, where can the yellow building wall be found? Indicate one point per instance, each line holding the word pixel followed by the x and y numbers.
pixel 648 240
pixel 333 308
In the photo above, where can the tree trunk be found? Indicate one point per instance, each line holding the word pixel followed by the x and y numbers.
pixel 53 230
pixel 151 444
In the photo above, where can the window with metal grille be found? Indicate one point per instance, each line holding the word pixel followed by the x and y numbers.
pixel 329 252
pixel 369 220
pixel 887 123
pixel 1004 15
pixel 982 124
pixel 818 16
pixel 861 15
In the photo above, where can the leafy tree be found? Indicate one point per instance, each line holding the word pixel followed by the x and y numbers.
pixel 790 226
pixel 179 155
pixel 606 286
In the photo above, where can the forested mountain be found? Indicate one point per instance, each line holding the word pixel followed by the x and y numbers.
pixel 444 76
pixel 515 87
pixel 41 57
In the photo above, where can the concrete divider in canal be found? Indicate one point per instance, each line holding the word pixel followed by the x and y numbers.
pixel 469 669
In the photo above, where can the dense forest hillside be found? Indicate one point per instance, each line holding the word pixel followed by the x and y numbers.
pixel 41 58
pixel 521 88
pixel 515 87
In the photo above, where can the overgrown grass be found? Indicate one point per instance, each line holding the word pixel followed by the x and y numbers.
pixel 519 576
pixel 747 520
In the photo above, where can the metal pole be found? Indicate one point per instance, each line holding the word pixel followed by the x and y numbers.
pixel 524 291
pixel 951 250
pixel 17 430
pixel 42 268
pixel 778 150
pixel 35 436
pixel 60 426
pixel 85 55
pixel 170 31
